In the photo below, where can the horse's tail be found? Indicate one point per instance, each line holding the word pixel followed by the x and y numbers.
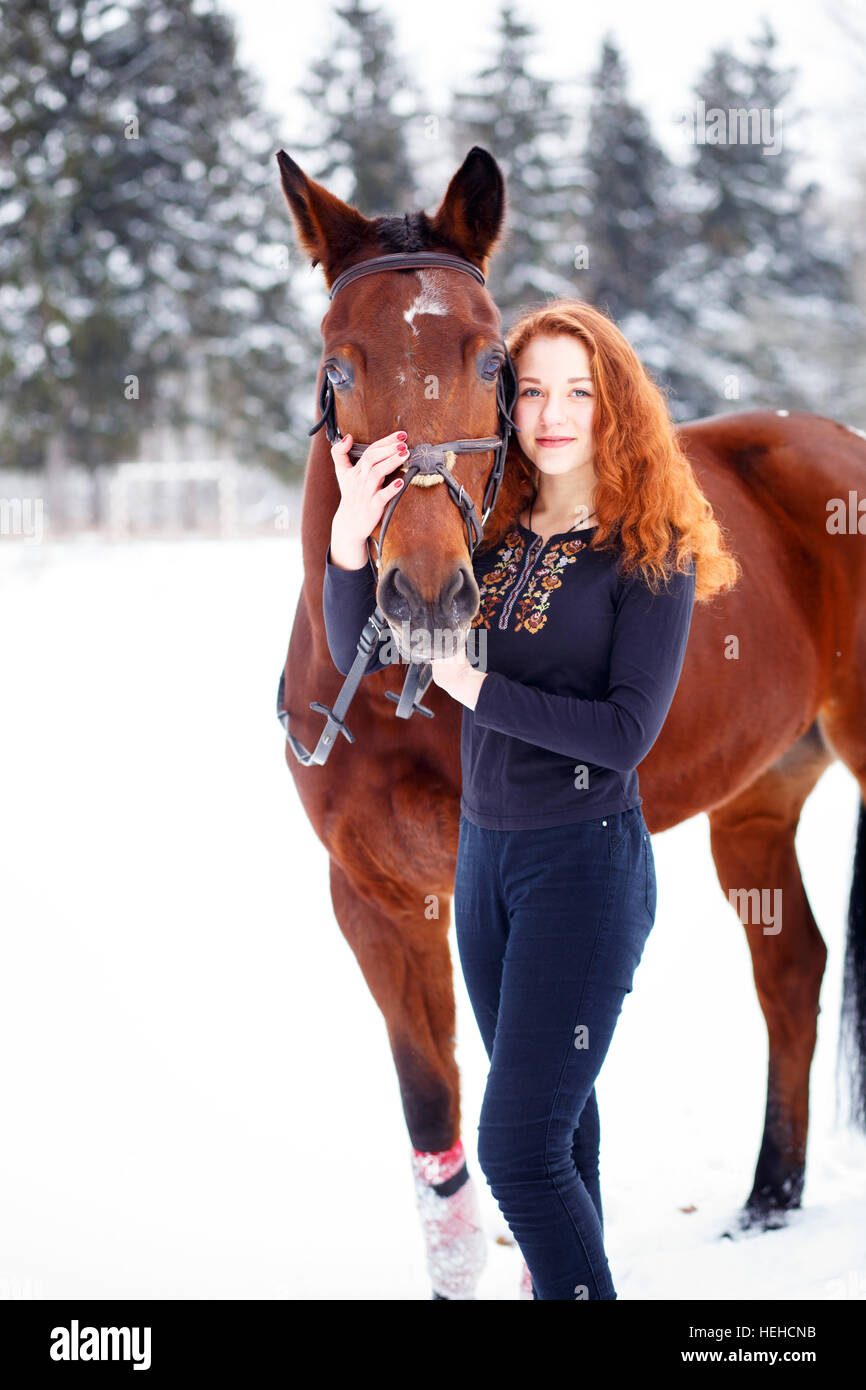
pixel 852 1024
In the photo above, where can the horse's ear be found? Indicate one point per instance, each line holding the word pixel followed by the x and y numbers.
pixel 472 213
pixel 327 228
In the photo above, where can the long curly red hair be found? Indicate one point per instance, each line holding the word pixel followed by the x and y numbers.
pixel 648 500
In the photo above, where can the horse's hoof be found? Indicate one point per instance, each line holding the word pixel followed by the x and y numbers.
pixel 765 1215
pixel 757 1217
pixel 772 1220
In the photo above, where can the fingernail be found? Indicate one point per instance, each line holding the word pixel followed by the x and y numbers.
pixel 402 435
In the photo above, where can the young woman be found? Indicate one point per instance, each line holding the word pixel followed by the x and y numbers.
pixel 586 602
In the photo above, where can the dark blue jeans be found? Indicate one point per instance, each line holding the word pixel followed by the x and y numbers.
pixel 551 925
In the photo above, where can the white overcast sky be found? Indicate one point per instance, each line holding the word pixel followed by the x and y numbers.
pixel 665 45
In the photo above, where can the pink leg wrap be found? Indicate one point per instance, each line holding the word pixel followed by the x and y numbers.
pixel 454 1241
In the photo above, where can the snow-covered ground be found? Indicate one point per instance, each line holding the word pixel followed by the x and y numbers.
pixel 196 1088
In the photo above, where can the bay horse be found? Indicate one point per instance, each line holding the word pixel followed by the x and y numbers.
pixel 772 690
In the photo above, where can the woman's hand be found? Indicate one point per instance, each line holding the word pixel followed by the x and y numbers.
pixel 363 499
pixel 461 679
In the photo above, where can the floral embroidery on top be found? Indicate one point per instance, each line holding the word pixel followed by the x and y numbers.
pixel 515 585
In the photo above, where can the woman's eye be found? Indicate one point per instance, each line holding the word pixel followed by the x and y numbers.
pixel 528 390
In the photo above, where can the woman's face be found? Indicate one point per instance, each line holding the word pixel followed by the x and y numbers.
pixel 555 403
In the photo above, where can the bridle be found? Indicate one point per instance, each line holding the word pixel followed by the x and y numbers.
pixel 426 465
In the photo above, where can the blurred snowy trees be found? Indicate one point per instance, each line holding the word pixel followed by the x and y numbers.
pixel 153 303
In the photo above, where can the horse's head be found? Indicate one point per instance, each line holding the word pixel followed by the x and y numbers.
pixel 419 350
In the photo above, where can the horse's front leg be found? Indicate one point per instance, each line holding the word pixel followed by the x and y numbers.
pixel 400 940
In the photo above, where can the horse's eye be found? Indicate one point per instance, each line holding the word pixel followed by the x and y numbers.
pixel 491 367
pixel 335 375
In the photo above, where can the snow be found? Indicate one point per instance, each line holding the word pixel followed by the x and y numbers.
pixel 197 1090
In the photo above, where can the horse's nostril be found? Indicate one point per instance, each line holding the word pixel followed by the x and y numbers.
pixel 398 595
pixel 454 587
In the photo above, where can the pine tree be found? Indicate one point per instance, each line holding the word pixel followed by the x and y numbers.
pixel 517 117
pixel 849 208
pixel 638 229
pixel 633 226
pixel 360 134
pixel 757 211
pixel 142 226
pixel 771 291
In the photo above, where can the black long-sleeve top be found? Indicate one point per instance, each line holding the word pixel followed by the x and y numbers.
pixel 582 665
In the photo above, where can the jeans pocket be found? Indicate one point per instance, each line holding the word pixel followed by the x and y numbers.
pixel 618 830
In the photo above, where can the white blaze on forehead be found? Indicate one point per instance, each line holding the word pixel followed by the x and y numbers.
pixel 430 299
